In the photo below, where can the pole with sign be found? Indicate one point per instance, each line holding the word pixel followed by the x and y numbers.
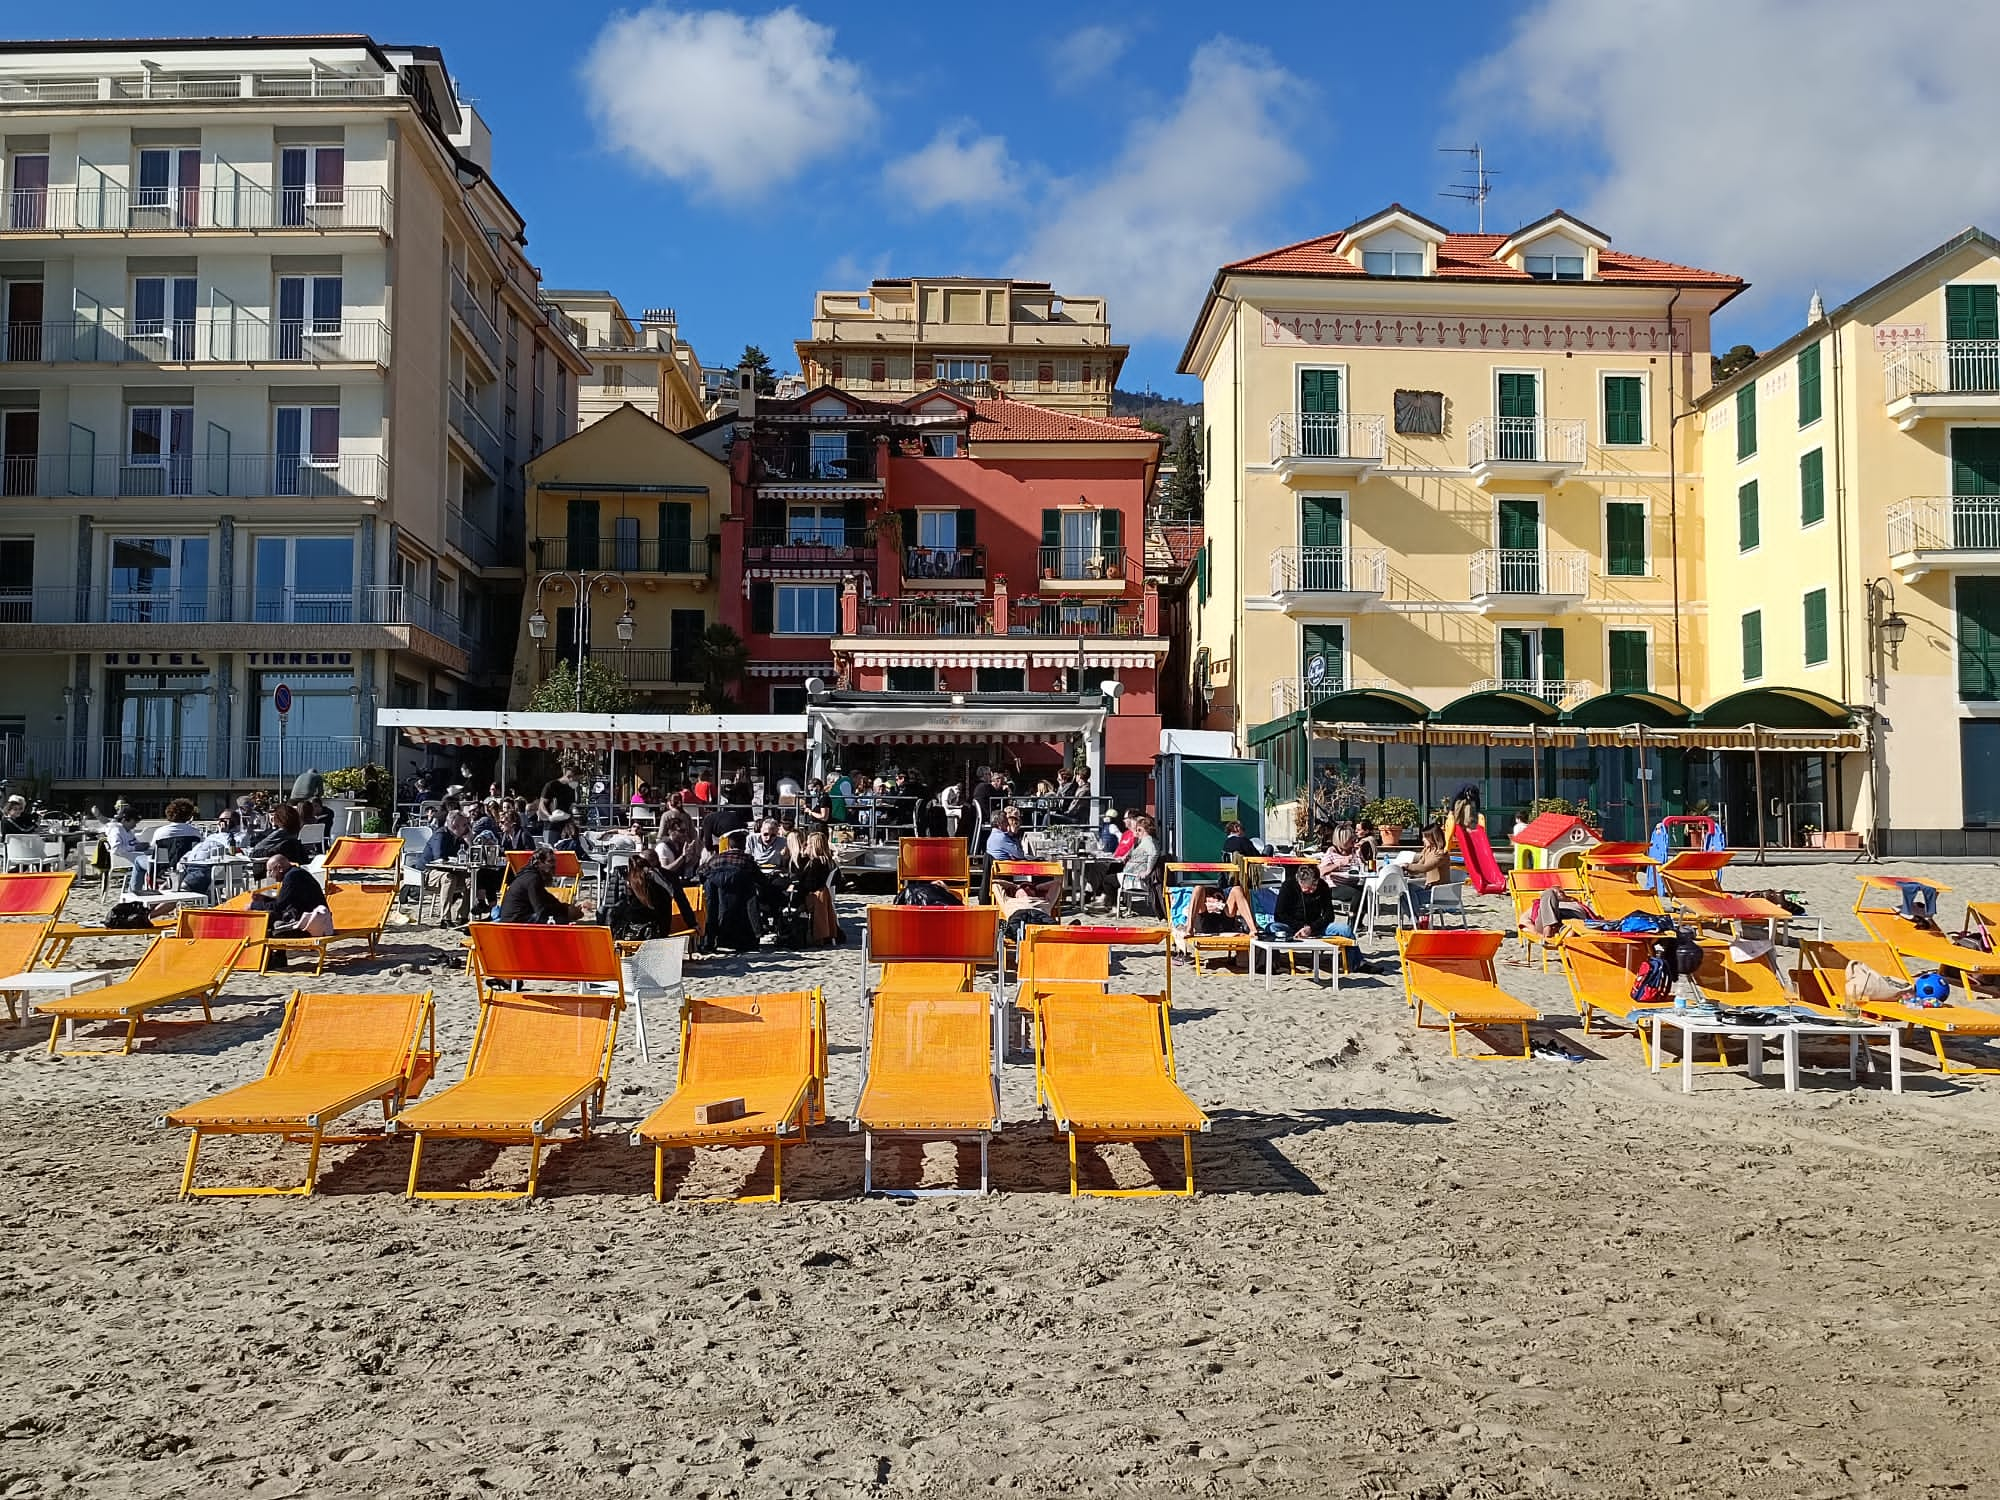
pixel 281 700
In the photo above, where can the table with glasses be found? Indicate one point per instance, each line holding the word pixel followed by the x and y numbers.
pixel 1786 1028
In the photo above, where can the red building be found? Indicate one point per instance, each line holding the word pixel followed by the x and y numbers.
pixel 946 545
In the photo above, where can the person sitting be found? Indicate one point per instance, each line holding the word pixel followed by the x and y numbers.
pixel 1003 840
pixel 1003 843
pixel 17 818
pixel 766 848
pixel 125 845
pixel 1432 863
pixel 529 899
pixel 1221 909
pixel 645 902
pixel 295 906
pixel 283 837
pixel 562 833
pixel 175 837
pixel 812 888
pixel 1139 870
pixel 198 864
pixel 1305 906
pixel 1236 843
pixel 737 898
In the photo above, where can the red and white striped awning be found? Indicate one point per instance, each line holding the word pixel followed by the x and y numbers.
pixel 787 490
pixel 1099 658
pixel 790 669
pixel 597 732
pixel 917 656
pixel 766 571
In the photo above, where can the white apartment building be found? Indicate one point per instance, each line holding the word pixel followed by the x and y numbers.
pixel 647 364
pixel 273 359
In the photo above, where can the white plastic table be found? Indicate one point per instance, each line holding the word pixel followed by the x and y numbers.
pixel 1857 1052
pixel 1272 947
pixel 165 898
pixel 54 981
pixel 1695 1023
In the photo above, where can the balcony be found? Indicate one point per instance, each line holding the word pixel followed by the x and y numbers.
pixel 1941 533
pixel 184 758
pixel 1290 694
pixel 1945 379
pixel 478 324
pixel 208 338
pixel 474 541
pixel 946 567
pixel 1523 449
pixel 236 209
pixel 1326 445
pixel 1558 693
pixel 635 666
pixel 1082 569
pixel 478 439
pixel 1064 617
pixel 686 557
pixel 1320 580
pixel 926 617
pixel 248 476
pixel 280 757
pixel 801 463
pixel 209 88
pixel 818 546
pixel 1516 581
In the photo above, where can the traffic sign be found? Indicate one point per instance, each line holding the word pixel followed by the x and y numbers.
pixel 281 698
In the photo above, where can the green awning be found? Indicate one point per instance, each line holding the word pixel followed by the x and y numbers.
pixel 1498 707
pixel 1775 708
pixel 1368 706
pixel 1626 706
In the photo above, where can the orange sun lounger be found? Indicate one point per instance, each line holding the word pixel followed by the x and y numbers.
pixel 946 861
pixel 360 912
pixel 930 1070
pixel 1524 889
pixel 1106 1064
pixel 1826 967
pixel 767 1050
pixel 1076 961
pixel 371 854
pixel 1204 944
pixel 929 949
pixel 29 893
pixel 1878 908
pixel 536 1059
pixel 20 944
pixel 172 969
pixel 1692 881
pixel 334 1053
pixel 1611 885
pixel 1601 969
pixel 1452 973
pixel 253 927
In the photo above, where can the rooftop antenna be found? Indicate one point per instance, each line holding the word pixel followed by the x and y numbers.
pixel 1476 183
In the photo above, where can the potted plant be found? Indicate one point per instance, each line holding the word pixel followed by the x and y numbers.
pixel 366 787
pixel 1391 815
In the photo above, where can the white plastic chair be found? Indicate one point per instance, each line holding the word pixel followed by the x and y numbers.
pixel 1391 889
pixel 1448 900
pixel 25 851
pixel 654 970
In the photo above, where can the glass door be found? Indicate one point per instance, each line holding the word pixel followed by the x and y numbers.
pixel 169 192
pixel 307 458
pixel 157 580
pixel 307 580
pixel 159 451
pixel 24 339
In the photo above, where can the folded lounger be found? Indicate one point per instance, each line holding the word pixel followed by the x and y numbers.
pixel 931 1071
pixel 334 1054
pixel 767 1050
pixel 1452 974
pixel 172 969
pixel 1107 1068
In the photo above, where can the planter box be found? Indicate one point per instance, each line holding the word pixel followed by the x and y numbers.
pixel 1815 841
pixel 1840 840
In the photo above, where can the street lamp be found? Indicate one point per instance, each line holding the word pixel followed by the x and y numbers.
pixel 582 585
pixel 1887 629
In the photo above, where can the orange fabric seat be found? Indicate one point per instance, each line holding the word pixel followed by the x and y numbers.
pixel 252 927
pixel 1452 973
pixel 30 893
pixel 947 861
pixel 334 1053
pixel 351 852
pixel 1524 889
pixel 1107 1070
pixel 20 944
pixel 922 978
pixel 932 1069
pixel 172 969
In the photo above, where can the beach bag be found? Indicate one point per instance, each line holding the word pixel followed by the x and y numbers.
pixel 1655 985
pixel 925 893
pixel 316 923
pixel 128 915
pixel 1864 983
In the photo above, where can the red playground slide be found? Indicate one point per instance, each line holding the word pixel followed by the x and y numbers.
pixel 1480 866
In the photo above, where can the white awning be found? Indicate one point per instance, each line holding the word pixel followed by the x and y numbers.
pixel 597 732
pixel 934 724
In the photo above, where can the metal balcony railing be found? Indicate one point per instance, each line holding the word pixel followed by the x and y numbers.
pixel 471 538
pixel 135 604
pixel 1942 367
pixel 472 428
pixel 1081 563
pixel 206 338
pixel 1329 570
pixel 926 616
pixel 1319 434
pixel 1289 694
pixel 631 664
pixel 795 463
pixel 624 554
pixel 1945 523
pixel 1064 617
pixel 472 312
pixel 108 209
pixel 920 563
pixel 274 756
pixel 188 756
pixel 1514 570
pixel 822 544
pixel 1525 440
pixel 38 755
pixel 1551 691
pixel 355 476
pixel 173 88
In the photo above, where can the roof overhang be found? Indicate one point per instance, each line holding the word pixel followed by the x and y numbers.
pixel 596 732
pixel 946 718
pixel 1555 223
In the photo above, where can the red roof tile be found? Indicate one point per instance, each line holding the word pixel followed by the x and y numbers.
pixel 1003 421
pixel 1472 256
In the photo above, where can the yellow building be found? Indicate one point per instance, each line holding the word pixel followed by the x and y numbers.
pixel 1445 478
pixel 1852 483
pixel 1019 339
pixel 647 364
pixel 625 513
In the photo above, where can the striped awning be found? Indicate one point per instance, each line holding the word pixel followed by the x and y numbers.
pixel 852 490
pixel 790 669
pixel 766 571
pixel 918 656
pixel 1098 658
pixel 1780 741
pixel 597 732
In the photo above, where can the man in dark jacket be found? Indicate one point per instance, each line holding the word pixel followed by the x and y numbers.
pixel 736 896
pixel 529 899
pixel 297 896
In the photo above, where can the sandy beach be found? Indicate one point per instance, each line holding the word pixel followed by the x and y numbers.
pixel 1402 1276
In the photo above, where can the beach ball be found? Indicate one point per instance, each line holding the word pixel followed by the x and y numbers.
pixel 1932 987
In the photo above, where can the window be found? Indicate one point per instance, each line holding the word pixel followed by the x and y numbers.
pixel 158 579
pixel 951 371
pixel 1812 488
pixel 159 451
pixel 941 445
pixel 913 679
pixel 311 179
pixel 17 578
pixel 306 449
pixel 999 680
pixel 816 526
pixel 163 310
pixel 806 610
pixel 1816 628
pixel 938 529
pixel 788 700
pixel 1746 421
pixel 685 628
pixel 1532 661
pixel 324 708
pixel 1069 374
pixel 169 190
pixel 1393 262
pixel 614 377
pixel 28 198
pixel 307 305
pixel 1746 517
pixel 1979 639
pixel 826 455
pixel 1625 539
pixel 157 723
pixel 304 579
pixel 1554 267
pixel 1628 655
pixel 1322 660
pixel 1624 411
pixel 1809 403
pixel 856 369
pixel 1753 645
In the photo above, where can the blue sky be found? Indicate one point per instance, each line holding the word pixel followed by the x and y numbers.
pixel 731 161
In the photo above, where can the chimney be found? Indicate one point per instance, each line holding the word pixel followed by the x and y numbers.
pixel 746 393
pixel 660 320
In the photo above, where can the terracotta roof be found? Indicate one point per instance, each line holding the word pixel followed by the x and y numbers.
pixel 1472 256
pixel 1003 421
pixel 1544 829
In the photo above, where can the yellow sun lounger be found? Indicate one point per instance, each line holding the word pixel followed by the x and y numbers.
pixel 930 1071
pixel 767 1050
pixel 360 912
pixel 334 1054
pixel 1611 886
pixel 172 969
pixel 1601 968
pixel 20 944
pixel 1107 1069
pixel 1452 974
pixel 1525 888
pixel 536 1059
pixel 1827 963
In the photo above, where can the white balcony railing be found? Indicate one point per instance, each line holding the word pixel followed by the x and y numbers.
pixel 108 209
pixel 1945 523
pixel 472 427
pixel 473 314
pixel 1548 690
pixel 173 88
pixel 1329 570
pixel 353 476
pixel 1289 694
pixel 219 337
pixel 1942 367
pixel 1525 440
pixel 1312 435
pixel 1513 570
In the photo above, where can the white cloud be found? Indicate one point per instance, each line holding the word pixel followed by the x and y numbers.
pixel 1799 146
pixel 723 103
pixel 1184 195
pixel 1085 54
pixel 956 170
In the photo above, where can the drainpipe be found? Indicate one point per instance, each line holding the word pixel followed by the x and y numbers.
pixel 1673 498
pixel 1238 524
pixel 1871 741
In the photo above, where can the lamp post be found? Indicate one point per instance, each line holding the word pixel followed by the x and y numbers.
pixel 1886 628
pixel 582 585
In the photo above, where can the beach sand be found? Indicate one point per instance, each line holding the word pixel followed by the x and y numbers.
pixel 1403 1275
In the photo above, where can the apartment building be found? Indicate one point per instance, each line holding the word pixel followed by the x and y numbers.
pixel 647 364
pixel 1852 480
pixel 1445 482
pixel 1021 339
pixel 273 361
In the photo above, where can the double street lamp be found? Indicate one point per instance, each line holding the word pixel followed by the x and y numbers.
pixel 582 585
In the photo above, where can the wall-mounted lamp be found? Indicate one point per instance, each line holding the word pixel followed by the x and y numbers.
pixel 1887 629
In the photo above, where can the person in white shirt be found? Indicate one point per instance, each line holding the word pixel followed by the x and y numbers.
pixel 125 845
pixel 198 864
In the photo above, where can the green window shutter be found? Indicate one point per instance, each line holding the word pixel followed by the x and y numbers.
pixel 1319 521
pixel 1747 533
pixel 1812 487
pixel 1975 461
pixel 1520 528
pixel 1201 575
pixel 1816 627
pixel 1554 667
pixel 1624 409
pixel 968 526
pixel 1979 639
pixel 907 518
pixel 1746 420
pixel 1625 539
pixel 1626 653
pixel 1809 406
pixel 1513 655
pixel 1753 645
pixel 676 536
pixel 763 608
pixel 1110 529
pixel 1326 644
pixel 1052 528
pixel 582 534
pixel 1517 396
pixel 1971 312
pixel 1319 391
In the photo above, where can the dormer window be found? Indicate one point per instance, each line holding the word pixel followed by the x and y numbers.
pixel 1553 267
pixel 1393 262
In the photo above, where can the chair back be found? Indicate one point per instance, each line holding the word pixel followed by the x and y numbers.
pixel 186 964
pixel 932 934
pixel 21 944
pixel 947 861
pixel 728 1038
pixel 540 953
pixel 1118 1036
pixel 568 865
pixel 1391 885
pixel 1063 962
pixel 359 908
pixel 1827 960
pixel 923 1037
pixel 371 853
pixel 24 848
pixel 656 965
pixel 169 852
pixel 363 1036
pixel 541 1036
pixel 250 928
pixel 1697 861
pixel 1601 970
pixel 26 893
pixel 1469 954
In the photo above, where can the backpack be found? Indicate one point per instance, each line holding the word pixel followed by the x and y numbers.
pixel 926 893
pixel 128 915
pixel 1655 985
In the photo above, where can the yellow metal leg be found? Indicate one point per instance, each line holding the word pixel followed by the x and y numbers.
pixel 187 1176
pixel 416 1155
pixel 1072 1159
pixel 659 1174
